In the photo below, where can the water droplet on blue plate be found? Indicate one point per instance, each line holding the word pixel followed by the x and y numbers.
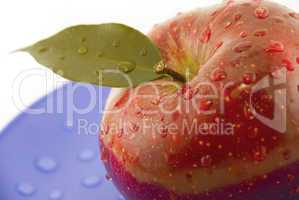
pixel 25 189
pixel 92 181
pixel 46 164
pixel 86 155
pixel 56 195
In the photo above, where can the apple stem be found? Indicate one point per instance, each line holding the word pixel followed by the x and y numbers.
pixel 175 75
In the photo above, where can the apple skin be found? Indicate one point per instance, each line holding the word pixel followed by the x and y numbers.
pixel 263 189
pixel 238 41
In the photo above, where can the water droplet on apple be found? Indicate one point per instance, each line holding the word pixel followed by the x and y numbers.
pixel 297 60
pixel 278 19
pixel 120 133
pixel 126 67
pixel 206 161
pixel 156 101
pixel 218 75
pixel 286 155
pixel 206 35
pixel 243 34
pixel 249 78
pixel 242 46
pixel 261 12
pixel 205 104
pixel 105 129
pixel 228 24
pixel 288 64
pixel 218 44
pixel 253 133
pixel 294 15
pixel 238 17
pixel 291 178
pixel 189 176
pixel 260 154
pixel 108 177
pixel 134 127
pixel 260 33
pixel 189 94
pixel 275 47
pixel 104 155
pixel 164 132
pixel 83 50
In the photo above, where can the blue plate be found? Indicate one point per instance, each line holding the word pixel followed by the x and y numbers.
pixel 55 155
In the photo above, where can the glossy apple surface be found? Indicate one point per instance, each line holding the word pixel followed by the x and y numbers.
pixel 230 132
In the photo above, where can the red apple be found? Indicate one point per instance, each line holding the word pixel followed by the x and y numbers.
pixel 230 132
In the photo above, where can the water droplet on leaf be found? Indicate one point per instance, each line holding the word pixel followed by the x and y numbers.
pixel 143 52
pixel 126 67
pixel 82 50
pixel 83 39
pixel 43 49
pixel 158 68
pixel 116 43
pixel 100 54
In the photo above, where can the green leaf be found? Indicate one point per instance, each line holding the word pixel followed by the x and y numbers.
pixel 105 54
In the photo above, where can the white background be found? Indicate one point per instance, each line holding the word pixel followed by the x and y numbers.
pixel 23 22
